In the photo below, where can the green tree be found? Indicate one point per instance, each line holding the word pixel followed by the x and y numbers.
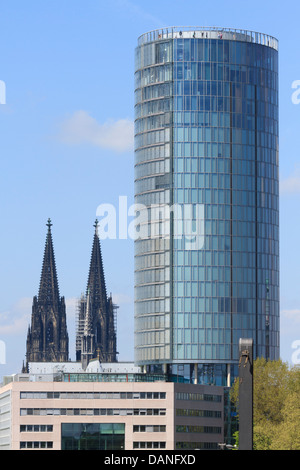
pixel 276 405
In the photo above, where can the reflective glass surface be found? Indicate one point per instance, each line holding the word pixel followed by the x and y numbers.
pixel 207 137
pixel 92 436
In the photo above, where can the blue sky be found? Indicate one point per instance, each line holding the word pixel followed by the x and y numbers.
pixel 66 146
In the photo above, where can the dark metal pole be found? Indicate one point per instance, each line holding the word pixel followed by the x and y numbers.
pixel 246 394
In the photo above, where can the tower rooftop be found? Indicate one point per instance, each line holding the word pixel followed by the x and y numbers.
pixel 208 32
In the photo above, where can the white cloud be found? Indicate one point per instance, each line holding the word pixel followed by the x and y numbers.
pixel 291 185
pixel 81 128
pixel 121 299
pixel 293 314
pixel 16 320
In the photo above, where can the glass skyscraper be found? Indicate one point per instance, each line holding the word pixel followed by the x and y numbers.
pixel 206 194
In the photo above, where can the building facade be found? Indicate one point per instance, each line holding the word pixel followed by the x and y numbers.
pixel 206 186
pixel 96 327
pixel 112 411
pixel 47 337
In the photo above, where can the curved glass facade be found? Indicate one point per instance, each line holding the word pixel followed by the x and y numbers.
pixel 206 155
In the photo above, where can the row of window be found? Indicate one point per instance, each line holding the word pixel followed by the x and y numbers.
pixel 148 108
pixel 152 261
pixel 221 89
pixel 198 397
pixel 151 75
pixel 153 168
pixel 149 445
pixel 36 445
pixel 198 413
pixel 213 180
pixel 36 428
pixel 161 196
pixel 209 336
pixel 197 445
pixel 243 206
pixel 225 72
pixel 152 122
pixel 220 289
pixel 153 352
pixel 196 119
pixel 149 428
pixel 151 322
pixel 154 53
pixel 199 429
pixel 153 183
pixel 152 337
pixel 212 289
pixel 92 412
pixel 226 89
pixel 215 158
pixel 152 275
pixel 217 352
pixel 187 101
pixel 152 244
pixel 94 395
pixel 206 46
pixel 194 132
pixel 152 153
pixel 49 428
pixel 239 52
pixel 241 128
pixel 152 291
pixel 216 225
pixel 210 70
pixel 206 163
pixel 156 306
pixel 196 333
pixel 152 138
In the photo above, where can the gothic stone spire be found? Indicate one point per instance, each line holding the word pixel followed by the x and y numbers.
pixel 100 309
pixel 49 290
pixel 47 339
pixel 96 280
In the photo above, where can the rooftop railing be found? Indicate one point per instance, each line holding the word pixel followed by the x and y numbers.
pixel 211 32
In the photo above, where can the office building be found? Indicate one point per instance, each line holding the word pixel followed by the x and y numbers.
pixel 206 189
pixel 107 407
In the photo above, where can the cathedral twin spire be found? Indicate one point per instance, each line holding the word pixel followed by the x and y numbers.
pixel 47 338
pixel 96 335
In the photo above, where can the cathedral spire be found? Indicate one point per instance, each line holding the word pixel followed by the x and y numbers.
pixel 96 280
pixel 96 335
pixel 47 337
pixel 49 290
